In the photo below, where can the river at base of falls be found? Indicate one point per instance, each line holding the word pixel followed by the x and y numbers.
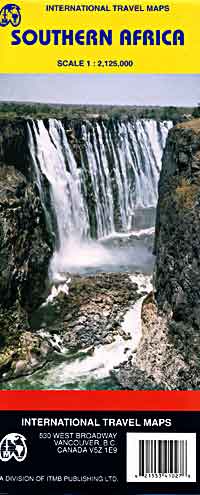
pixel 86 370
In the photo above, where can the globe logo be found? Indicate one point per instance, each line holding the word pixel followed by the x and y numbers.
pixel 14 446
pixel 10 14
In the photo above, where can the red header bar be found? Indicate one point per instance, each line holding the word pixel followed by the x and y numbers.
pixel 100 400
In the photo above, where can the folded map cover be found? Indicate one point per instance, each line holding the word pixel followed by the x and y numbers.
pixel 100 247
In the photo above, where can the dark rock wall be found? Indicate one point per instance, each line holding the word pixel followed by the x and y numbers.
pixel 177 246
pixel 25 250
pixel 14 145
pixel 25 246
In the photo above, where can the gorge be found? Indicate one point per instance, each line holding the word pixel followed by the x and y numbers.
pixel 77 211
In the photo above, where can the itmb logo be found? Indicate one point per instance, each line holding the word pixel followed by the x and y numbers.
pixel 10 14
pixel 14 446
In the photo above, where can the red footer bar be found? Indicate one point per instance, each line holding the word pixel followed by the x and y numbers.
pixel 100 400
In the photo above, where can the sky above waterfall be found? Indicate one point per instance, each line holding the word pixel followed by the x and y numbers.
pixel 110 89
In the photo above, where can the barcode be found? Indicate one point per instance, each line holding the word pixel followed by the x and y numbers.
pixel 161 457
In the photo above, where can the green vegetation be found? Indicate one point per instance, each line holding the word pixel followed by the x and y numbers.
pixel 196 112
pixel 75 112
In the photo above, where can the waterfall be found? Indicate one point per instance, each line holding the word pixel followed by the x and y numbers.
pixel 124 163
pixel 115 177
pixel 52 156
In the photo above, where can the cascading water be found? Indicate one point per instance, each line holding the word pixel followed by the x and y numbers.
pixel 51 155
pixel 124 162
pixel 120 165
pixel 105 192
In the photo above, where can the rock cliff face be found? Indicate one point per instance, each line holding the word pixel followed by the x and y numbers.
pixel 177 249
pixel 13 145
pixel 24 244
pixel 25 250
pixel 169 353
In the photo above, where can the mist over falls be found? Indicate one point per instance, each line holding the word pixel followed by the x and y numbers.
pixel 94 191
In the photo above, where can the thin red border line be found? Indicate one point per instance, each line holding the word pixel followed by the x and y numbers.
pixel 100 400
